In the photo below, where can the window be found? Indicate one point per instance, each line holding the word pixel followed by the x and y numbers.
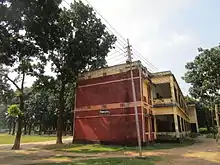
pixel 162 91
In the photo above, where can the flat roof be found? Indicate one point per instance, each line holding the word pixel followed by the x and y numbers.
pixel 163 73
pixel 113 66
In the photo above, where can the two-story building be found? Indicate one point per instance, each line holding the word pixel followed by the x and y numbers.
pixel 104 106
pixel 174 116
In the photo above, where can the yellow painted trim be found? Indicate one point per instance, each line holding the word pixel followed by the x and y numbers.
pixel 121 68
pixel 108 106
pixel 97 116
pixel 183 114
pixel 170 111
pixel 163 111
pixel 160 79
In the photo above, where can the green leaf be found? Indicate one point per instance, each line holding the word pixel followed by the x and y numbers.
pixel 14 110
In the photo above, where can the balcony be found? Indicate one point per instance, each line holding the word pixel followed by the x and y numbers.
pixel 162 95
pixel 162 102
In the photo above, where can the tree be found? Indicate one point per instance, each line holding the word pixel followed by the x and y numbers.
pixel 82 44
pixel 6 96
pixel 48 91
pixel 203 74
pixel 18 54
pixel 41 107
pixel 75 40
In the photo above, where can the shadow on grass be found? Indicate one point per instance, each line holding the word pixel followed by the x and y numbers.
pixel 111 161
pixel 25 157
pixel 98 148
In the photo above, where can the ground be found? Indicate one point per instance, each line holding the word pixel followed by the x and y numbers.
pixel 205 152
pixel 9 139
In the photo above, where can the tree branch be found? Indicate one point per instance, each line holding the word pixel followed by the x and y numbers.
pixel 13 82
pixel 22 82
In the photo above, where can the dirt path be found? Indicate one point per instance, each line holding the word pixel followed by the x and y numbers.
pixel 206 152
pixel 25 146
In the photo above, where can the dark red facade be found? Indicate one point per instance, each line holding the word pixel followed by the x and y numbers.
pixel 111 94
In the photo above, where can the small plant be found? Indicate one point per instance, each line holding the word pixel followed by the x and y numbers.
pixel 214 130
pixel 210 136
pixel 193 135
pixel 203 130
pixel 14 110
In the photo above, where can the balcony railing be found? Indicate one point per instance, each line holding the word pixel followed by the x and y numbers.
pixel 162 101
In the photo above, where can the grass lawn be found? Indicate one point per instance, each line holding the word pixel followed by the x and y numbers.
pixel 112 161
pixel 97 148
pixel 9 139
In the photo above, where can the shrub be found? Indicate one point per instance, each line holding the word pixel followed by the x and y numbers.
pixel 193 135
pixel 214 129
pixel 210 135
pixel 14 110
pixel 203 131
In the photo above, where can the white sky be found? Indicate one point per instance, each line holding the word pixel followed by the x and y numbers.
pixel 152 28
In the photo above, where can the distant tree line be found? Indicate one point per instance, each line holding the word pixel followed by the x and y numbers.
pixel 203 74
pixel 40 111
pixel 35 34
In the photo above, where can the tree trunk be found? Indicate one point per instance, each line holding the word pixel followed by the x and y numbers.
pixel 17 141
pixel 25 128
pixel 212 118
pixel 9 127
pixel 13 129
pixel 40 129
pixel 60 114
pixel 71 128
pixel 29 129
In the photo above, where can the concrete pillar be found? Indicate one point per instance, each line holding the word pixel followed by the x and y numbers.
pixel 197 125
pixel 149 128
pixel 176 125
pixel 184 128
pixel 155 127
pixel 143 123
pixel 184 122
pixel 178 97
pixel 172 89
pixel 181 126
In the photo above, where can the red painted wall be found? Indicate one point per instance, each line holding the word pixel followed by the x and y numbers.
pixel 115 92
pixel 90 125
pixel 107 129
